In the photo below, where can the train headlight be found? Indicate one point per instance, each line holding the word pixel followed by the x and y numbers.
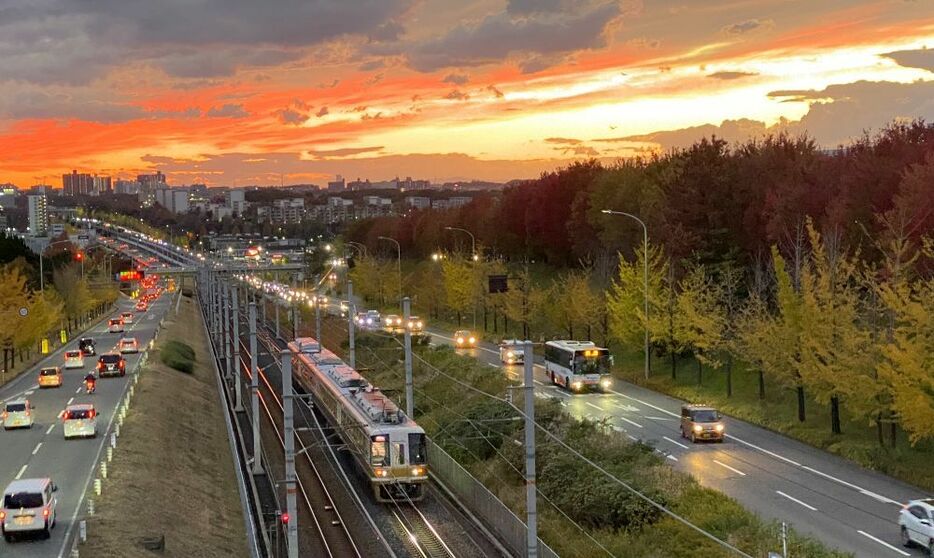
pixel 419 325
pixel 382 473
pixel 417 471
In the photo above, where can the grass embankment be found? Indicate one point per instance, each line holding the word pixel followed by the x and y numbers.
pixel 484 436
pixel 172 473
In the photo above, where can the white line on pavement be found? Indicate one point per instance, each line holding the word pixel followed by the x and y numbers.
pixel 883 543
pixel 21 471
pixel 675 443
pixel 725 466
pixel 69 401
pixel 594 406
pixel 491 364
pixel 36 449
pixel 795 500
pixel 861 490
pixel 671 457
pixel 60 413
pixel 656 418
pixel 51 426
pixel 29 392
pixel 636 424
pixel 78 390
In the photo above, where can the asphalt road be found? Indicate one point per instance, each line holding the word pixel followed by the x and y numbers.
pixel 42 451
pixel 838 502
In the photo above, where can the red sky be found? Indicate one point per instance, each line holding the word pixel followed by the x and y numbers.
pixel 240 92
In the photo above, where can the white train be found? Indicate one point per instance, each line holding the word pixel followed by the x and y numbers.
pixel 386 444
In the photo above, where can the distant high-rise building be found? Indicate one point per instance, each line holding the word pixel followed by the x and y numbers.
pixel 103 185
pixel 126 187
pixel 38 215
pixel 409 184
pixel 77 184
pixel 151 180
pixel 235 200
pixel 8 196
pixel 338 185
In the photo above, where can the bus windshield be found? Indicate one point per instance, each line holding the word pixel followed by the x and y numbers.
pixel 599 364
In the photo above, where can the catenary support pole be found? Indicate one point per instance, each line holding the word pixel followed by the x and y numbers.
pixel 254 396
pixel 317 321
pixel 531 509
pixel 238 387
pixel 289 435
pixel 409 391
pixel 350 327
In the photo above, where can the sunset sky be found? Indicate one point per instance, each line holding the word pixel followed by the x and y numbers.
pixel 237 92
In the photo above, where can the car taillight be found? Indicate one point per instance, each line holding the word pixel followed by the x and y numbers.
pixel 2 515
pixel 66 416
pixel 122 364
pixel 92 414
pixel 45 512
pixel 27 412
pixel 4 414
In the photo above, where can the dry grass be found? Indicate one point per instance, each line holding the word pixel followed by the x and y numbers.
pixel 172 473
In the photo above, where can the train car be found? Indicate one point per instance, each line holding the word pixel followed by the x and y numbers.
pixel 388 447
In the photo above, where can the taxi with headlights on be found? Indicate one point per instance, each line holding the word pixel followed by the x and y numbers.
pixel 50 377
pixel 701 422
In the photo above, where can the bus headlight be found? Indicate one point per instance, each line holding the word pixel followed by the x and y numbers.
pixel 606 382
pixel 576 385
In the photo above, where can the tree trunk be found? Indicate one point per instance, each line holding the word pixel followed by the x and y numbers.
pixel 495 322
pixel 674 366
pixel 801 413
pixel 729 375
pixel 485 322
pixel 589 332
pixel 879 433
pixel 761 384
pixel 505 325
pixel 835 415
pixel 700 371
pixel 893 429
pixel 458 319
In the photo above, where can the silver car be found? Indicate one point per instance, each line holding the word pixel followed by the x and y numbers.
pixel 916 521
pixel 18 414
pixel 28 506
pixel 80 421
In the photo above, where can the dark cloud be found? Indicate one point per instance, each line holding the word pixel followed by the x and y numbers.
pixel 322 112
pixel 500 35
pixel 373 80
pixel 923 58
pixel 229 110
pixel 457 95
pixel 345 152
pixel 372 65
pixel 495 91
pixel 566 141
pixel 21 101
pixel 731 75
pixel 389 31
pixel 729 130
pixel 744 27
pixel 535 64
pixel 581 150
pixel 456 79
pixel 525 7
pixel 290 116
pixel 209 63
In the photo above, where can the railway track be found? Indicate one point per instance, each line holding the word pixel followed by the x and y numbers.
pixel 420 536
pixel 333 537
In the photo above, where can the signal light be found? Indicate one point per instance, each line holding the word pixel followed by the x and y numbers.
pixel 285 518
pixel 79 256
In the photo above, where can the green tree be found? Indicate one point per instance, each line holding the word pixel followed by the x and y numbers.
pixel 459 285
pixel 786 332
pixel 702 316
pixel 13 297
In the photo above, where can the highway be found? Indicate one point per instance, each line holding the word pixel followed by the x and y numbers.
pixel 838 502
pixel 42 451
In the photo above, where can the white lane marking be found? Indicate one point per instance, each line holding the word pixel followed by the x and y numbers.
pixel 21 471
pixel 671 457
pixel 725 466
pixel 51 426
pixel 627 408
pixel 491 364
pixel 636 424
pixel 36 449
pixel 60 414
pixel 539 382
pixel 883 543
pixel 655 418
pixel 592 405
pixel 78 390
pixel 29 392
pixel 675 442
pixel 69 401
pixel 795 500
pixel 859 489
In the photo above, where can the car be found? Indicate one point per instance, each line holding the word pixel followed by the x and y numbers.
pixel 18 413
pixel 127 317
pixel 345 307
pixel 916 522
pixel 111 364
pixel 415 324
pixel 464 339
pixel 74 359
pixel 128 345
pixel 115 325
pixel 360 319
pixel 50 377
pixel 79 421
pixel 701 422
pixel 87 346
pixel 512 351
pixel 28 506
pixel 141 306
pixel 373 318
pixel 393 322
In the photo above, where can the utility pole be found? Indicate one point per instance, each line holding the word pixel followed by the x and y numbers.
pixel 350 329
pixel 317 321
pixel 254 396
pixel 531 509
pixel 275 302
pixel 227 355
pixel 289 435
pixel 409 390
pixel 238 389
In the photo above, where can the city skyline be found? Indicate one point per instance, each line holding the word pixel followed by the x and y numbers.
pixel 487 90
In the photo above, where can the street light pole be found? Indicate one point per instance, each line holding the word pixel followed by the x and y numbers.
pixel 645 277
pixel 473 257
pixel 399 253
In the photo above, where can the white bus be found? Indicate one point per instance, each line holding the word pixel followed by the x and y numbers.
pixel 578 365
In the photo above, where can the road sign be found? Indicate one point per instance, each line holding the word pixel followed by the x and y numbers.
pixel 24 311
pixel 130 275
pixel 63 336
pixel 45 346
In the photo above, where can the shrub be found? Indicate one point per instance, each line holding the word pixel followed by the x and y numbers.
pixel 179 356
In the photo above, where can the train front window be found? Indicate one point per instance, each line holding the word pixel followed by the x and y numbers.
pixel 398 451
pixel 417 453
pixel 379 451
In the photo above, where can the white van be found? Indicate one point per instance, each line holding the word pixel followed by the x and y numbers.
pixel 17 414
pixel 28 506
pixel 512 351
pixel 80 421
pixel 74 359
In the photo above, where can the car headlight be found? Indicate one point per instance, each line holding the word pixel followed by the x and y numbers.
pixel 510 354
pixel 369 321
pixel 460 340
pixel 719 428
pixel 473 340
pixel 419 324
pixel 698 428
pixel 576 385
pixel 605 382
